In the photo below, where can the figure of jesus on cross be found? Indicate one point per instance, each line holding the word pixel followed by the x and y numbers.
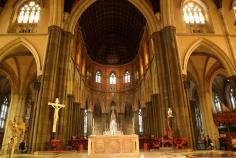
pixel 57 107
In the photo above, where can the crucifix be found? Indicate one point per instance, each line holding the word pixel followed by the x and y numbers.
pixel 56 107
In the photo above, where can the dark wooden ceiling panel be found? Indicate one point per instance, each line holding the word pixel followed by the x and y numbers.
pixel 112 31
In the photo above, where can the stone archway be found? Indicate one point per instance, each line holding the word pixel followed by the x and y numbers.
pixel 9 48
pixel 203 61
pixel 213 49
pixel 21 65
pixel 142 6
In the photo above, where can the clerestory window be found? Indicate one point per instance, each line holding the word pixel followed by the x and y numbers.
pixel 98 77
pixel 194 17
pixel 127 77
pixel 28 17
pixel 112 78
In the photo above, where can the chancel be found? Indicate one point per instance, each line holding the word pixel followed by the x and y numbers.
pixel 155 75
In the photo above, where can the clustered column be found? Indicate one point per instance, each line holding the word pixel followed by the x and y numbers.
pixel 170 83
pixel 53 85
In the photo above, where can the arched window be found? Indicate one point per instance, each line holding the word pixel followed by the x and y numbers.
pixel 216 102
pixel 193 13
pixel 194 17
pixel 127 77
pixel 85 122
pixel 3 113
pixel 140 120
pixel 112 78
pixel 98 77
pixel 230 96
pixel 28 16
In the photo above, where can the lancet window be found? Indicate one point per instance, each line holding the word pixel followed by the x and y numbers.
pixel 113 78
pixel 140 120
pixel 3 113
pixel 98 77
pixel 127 77
pixel 85 122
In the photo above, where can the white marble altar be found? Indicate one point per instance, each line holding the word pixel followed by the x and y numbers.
pixel 113 146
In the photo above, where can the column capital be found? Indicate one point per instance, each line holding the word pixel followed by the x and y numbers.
pixel 54 28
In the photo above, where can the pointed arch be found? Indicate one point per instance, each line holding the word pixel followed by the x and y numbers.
pixel 6 50
pixel 214 50
pixel 142 6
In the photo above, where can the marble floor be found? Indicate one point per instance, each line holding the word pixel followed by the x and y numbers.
pixel 149 154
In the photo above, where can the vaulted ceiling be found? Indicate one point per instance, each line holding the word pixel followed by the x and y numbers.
pixel 112 30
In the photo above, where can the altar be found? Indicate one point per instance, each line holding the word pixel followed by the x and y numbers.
pixel 113 146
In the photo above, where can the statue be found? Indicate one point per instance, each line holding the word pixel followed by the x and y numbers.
pixel 16 130
pixel 170 117
pixel 57 107
pixel 113 124
pixel 170 113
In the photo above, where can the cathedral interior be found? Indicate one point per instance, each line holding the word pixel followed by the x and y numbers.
pixel 165 70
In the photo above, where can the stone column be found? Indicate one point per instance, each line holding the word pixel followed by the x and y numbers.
pixel 90 121
pixel 161 74
pixel 120 120
pixel 136 122
pixel 151 117
pixel 43 125
pixel 147 120
pixel 82 122
pixel 76 121
pixel 69 120
pixel 170 82
pixel 63 79
pixel 53 84
pixel 33 113
pixel 190 110
pixel 144 110
pixel 210 128
pixel 157 115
